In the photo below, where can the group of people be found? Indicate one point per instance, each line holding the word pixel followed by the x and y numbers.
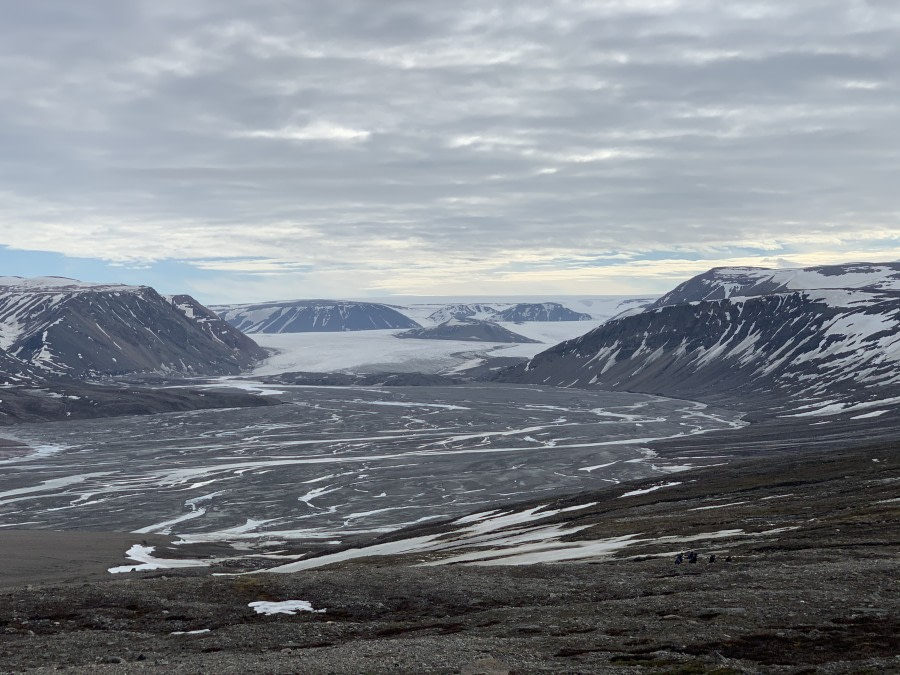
pixel 691 557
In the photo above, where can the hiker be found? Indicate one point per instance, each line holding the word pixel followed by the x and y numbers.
pixel 679 559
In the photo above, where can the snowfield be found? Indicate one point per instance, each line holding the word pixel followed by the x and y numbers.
pixel 381 350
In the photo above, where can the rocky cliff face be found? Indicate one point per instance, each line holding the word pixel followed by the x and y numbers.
pixel 308 316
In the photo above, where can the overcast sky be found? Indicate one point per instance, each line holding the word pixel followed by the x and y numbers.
pixel 260 149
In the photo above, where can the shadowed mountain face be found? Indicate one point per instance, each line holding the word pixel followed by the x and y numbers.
pixel 313 316
pixel 467 329
pixel 840 345
pixel 65 328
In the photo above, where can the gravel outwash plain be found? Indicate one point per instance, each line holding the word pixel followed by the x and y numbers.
pixel 823 597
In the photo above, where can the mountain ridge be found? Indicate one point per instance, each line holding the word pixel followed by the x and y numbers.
pixel 313 316
pixel 833 346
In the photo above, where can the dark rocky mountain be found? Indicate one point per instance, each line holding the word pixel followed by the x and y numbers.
pixel 726 282
pixel 464 311
pixel 466 329
pixel 313 316
pixel 541 311
pixel 55 332
pixel 809 349
pixel 64 327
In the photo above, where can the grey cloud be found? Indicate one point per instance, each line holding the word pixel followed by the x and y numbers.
pixel 610 126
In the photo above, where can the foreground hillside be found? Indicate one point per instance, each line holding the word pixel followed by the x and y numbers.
pixel 809 587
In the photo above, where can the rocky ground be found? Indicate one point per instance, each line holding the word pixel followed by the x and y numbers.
pixel 821 597
pixel 67 399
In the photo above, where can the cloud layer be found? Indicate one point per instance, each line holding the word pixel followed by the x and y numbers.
pixel 427 146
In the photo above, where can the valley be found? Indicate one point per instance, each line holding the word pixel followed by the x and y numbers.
pixel 334 462
pixel 520 503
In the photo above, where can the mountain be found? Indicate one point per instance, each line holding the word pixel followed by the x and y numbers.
pixel 726 282
pixel 541 311
pixel 216 327
pixel 831 345
pixel 466 329
pixel 463 311
pixel 62 327
pixel 313 316
pixel 518 313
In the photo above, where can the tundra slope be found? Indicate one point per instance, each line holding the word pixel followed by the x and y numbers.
pixel 816 347
pixel 625 610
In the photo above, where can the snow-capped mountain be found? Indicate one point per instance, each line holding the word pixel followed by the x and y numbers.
pixel 472 310
pixel 541 311
pixel 63 327
pixel 825 343
pixel 518 312
pixel 308 316
pixel 726 282
pixel 469 330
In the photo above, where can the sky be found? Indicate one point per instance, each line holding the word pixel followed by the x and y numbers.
pixel 271 149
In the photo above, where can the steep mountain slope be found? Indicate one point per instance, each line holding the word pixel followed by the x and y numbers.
pixel 216 327
pixel 726 282
pixel 542 311
pixel 61 327
pixel 308 316
pixel 467 329
pixel 832 346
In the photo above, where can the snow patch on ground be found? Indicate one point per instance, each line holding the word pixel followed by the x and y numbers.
pixel 284 607
pixel 144 556
pixel 652 488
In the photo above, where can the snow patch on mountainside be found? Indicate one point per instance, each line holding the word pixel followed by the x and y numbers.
pixel 727 282
pixel 814 343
